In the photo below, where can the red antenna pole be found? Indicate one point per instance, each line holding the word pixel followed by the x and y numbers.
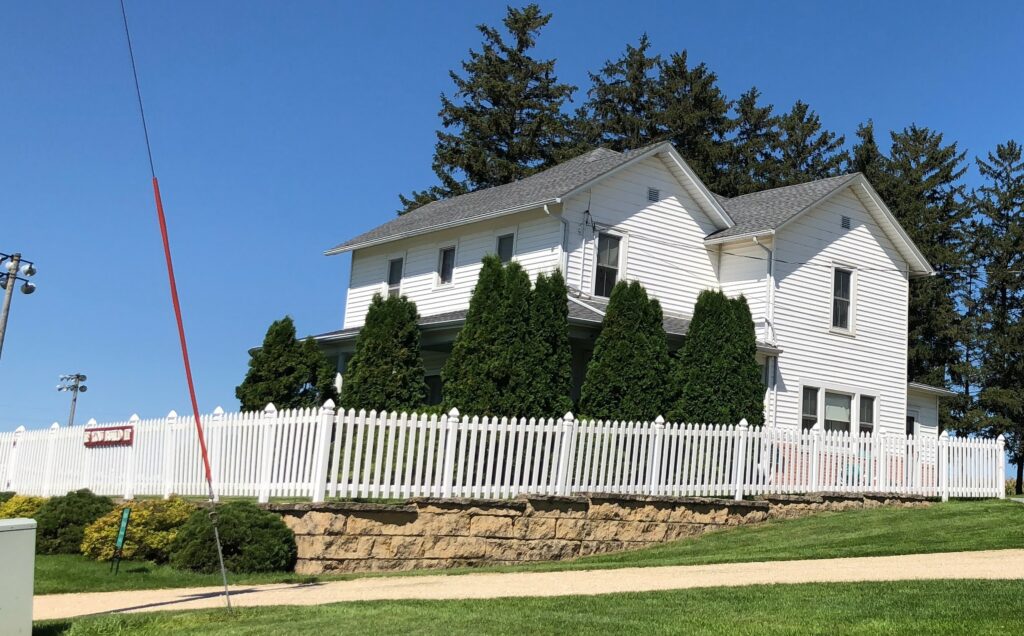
pixel 177 309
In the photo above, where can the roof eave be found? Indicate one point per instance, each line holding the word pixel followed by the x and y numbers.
pixel 739 237
pixel 931 390
pixel 341 249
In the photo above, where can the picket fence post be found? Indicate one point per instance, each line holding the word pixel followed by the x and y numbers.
pixel 815 461
pixel 13 459
pixel 739 463
pixel 129 464
pixel 448 470
pixel 322 450
pixel 654 462
pixel 1001 466
pixel 566 453
pixel 167 474
pixel 48 466
pixel 943 466
pixel 267 434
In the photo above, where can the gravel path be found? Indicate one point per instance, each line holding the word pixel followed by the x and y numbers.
pixel 991 564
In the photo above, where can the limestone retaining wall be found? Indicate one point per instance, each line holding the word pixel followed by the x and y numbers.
pixel 445 533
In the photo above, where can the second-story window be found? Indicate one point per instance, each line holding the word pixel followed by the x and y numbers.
pixel 607 273
pixel 842 297
pixel 394 277
pixel 446 265
pixel 505 245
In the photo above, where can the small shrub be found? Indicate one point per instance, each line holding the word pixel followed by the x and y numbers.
pixel 5 496
pixel 151 530
pixel 253 540
pixel 21 506
pixel 1011 487
pixel 62 521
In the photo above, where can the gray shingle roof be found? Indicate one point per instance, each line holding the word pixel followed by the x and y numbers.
pixel 536 189
pixel 768 209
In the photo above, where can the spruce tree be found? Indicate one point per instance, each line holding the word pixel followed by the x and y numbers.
pixel 288 373
pixel 749 153
pixel 551 360
pixel 622 111
pixel 804 150
pixel 386 371
pixel 715 376
pixel 999 209
pixel 625 379
pixel 694 115
pixel 505 120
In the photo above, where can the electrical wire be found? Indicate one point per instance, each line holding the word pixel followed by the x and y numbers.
pixel 177 309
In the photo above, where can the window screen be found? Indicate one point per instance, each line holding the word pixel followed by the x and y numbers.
pixel 607 264
pixel 446 265
pixel 394 276
pixel 505 243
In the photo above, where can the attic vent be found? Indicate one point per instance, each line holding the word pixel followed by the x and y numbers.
pixel 653 194
pixel 846 223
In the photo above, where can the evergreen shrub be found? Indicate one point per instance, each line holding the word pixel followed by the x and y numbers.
pixel 152 527
pixel 62 520
pixel 253 540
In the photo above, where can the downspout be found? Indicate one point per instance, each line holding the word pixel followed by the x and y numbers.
pixel 769 330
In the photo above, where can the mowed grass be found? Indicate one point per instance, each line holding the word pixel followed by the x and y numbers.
pixel 950 527
pixel 917 607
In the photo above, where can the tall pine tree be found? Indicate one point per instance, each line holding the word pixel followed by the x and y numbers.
pixel 749 152
pixel 804 150
pixel 505 120
pixel 386 371
pixel 622 110
pixel 625 379
pixel 999 208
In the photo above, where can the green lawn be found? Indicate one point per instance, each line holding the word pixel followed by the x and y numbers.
pixel 917 607
pixel 949 527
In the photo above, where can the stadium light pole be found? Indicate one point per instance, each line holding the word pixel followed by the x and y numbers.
pixel 72 382
pixel 12 263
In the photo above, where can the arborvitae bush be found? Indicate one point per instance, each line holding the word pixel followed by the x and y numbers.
pixel 289 373
pixel 386 372
pixel 61 521
pixel 21 506
pixel 626 378
pixel 551 357
pixel 151 530
pixel 716 376
pixel 253 540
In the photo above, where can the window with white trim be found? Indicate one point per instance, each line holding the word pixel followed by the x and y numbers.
pixel 838 407
pixel 607 272
pixel 506 242
pixel 842 299
pixel 446 265
pixel 867 414
pixel 809 410
pixel 394 277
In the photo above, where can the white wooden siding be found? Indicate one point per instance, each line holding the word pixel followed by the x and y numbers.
pixel 927 407
pixel 538 239
pixel 871 361
pixel 743 271
pixel 663 242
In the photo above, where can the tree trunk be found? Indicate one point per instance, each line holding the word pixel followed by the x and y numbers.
pixel 1020 478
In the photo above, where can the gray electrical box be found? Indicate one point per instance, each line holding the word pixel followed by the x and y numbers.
pixel 18 556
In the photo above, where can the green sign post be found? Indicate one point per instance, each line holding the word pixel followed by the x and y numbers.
pixel 119 545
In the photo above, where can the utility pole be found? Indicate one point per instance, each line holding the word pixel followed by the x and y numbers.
pixel 73 383
pixel 8 279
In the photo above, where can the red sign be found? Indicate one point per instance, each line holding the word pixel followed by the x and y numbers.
pixel 109 436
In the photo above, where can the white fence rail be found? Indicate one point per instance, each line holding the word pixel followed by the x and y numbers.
pixel 317 453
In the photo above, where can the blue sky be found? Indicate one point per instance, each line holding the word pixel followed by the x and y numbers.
pixel 280 129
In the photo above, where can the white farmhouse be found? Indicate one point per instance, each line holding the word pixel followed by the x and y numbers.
pixel 824 265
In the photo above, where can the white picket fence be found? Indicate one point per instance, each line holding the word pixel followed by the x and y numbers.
pixel 317 453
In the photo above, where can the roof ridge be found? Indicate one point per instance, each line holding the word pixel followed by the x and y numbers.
pixel 795 185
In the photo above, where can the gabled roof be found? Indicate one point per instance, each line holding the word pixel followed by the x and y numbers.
pixel 543 188
pixel 762 212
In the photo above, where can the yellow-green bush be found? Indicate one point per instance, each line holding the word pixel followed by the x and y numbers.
pixel 151 529
pixel 21 506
